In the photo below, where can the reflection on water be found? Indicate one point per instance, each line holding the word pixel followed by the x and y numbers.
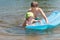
pixel 12 13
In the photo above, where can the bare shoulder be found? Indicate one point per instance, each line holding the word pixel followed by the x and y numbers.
pixel 29 9
pixel 39 9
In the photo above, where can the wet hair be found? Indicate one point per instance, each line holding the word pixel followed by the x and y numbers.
pixel 34 4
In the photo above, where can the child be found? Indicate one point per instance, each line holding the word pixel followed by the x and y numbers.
pixel 36 11
pixel 29 19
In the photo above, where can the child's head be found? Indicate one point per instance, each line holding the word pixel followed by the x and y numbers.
pixel 34 4
pixel 29 15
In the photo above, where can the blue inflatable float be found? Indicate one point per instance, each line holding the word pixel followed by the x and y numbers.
pixel 54 20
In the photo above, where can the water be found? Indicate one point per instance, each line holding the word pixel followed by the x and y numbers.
pixel 12 14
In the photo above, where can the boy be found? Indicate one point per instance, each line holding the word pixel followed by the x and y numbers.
pixel 36 10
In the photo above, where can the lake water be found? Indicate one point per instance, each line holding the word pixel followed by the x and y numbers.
pixel 12 14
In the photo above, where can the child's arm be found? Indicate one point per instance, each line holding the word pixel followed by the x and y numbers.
pixel 27 23
pixel 36 20
pixel 43 14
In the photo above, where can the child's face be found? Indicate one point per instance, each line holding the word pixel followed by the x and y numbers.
pixel 30 18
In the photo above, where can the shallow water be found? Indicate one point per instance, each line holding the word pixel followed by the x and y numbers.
pixel 12 14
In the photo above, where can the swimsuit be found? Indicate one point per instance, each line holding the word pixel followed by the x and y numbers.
pixel 37 18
